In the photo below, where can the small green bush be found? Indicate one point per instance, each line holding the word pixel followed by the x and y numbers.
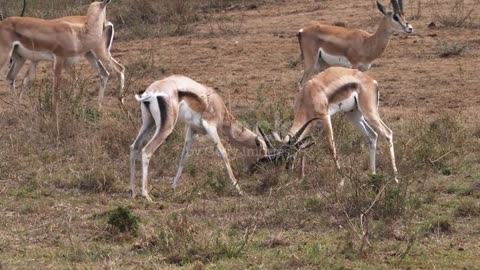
pixel 124 220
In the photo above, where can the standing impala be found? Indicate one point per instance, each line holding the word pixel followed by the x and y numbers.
pixel 203 111
pixel 62 39
pixel 352 48
pixel 100 52
pixel 333 90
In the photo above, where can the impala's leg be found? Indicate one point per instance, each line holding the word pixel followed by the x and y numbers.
pixel 331 142
pixel 358 121
pixel 380 127
pixel 147 124
pixel 102 72
pixel 186 147
pixel 212 133
pixel 165 121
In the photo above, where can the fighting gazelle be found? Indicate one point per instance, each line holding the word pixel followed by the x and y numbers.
pixel 333 90
pixel 63 39
pixel 203 112
pixel 100 53
pixel 352 48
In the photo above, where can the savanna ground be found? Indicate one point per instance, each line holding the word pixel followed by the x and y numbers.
pixel 65 205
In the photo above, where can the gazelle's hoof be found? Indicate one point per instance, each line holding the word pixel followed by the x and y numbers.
pixel 147 197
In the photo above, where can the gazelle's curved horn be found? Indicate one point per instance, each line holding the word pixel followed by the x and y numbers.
pixel 265 139
pixel 396 6
pixel 299 133
pixel 24 7
pixel 400 3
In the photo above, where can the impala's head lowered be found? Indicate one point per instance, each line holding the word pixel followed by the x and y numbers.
pixel 396 19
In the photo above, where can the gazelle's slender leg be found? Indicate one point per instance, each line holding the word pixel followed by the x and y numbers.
pixel 147 124
pixel 189 133
pixel 358 121
pixel 309 48
pixel 102 72
pixel 302 166
pixel 30 73
pixel 374 119
pixel 17 64
pixel 161 133
pixel 331 142
pixel 212 133
pixel 120 69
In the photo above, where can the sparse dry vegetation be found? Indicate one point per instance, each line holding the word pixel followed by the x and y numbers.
pixel 65 204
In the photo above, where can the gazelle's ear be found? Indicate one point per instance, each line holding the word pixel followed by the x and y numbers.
pixel 106 2
pixel 381 8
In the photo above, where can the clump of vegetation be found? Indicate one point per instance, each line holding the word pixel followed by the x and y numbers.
pixel 215 182
pixel 458 14
pixel 467 208
pixel 447 49
pixel 439 225
pixel 182 241
pixel 124 220
pixel 96 180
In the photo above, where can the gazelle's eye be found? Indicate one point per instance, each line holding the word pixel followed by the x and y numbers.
pixel 395 17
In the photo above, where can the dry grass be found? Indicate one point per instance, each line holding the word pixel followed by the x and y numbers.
pixel 457 13
pixel 65 205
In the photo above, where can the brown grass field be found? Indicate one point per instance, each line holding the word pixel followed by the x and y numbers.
pixel 61 202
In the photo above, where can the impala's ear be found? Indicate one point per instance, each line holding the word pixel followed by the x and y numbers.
pixel 381 8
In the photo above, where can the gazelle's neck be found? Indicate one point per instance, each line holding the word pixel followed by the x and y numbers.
pixel 378 41
pixel 240 137
pixel 96 16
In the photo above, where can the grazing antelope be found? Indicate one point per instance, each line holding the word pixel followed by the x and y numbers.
pixel 62 39
pixel 100 52
pixel 203 111
pixel 352 48
pixel 333 90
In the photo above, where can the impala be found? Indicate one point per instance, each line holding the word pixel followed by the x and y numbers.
pixel 352 48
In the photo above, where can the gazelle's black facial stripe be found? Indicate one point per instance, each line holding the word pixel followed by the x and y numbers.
pixel 396 18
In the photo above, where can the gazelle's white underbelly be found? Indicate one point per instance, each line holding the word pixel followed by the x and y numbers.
pixel 342 61
pixel 190 117
pixel 347 105
pixel 335 60
pixel 40 55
